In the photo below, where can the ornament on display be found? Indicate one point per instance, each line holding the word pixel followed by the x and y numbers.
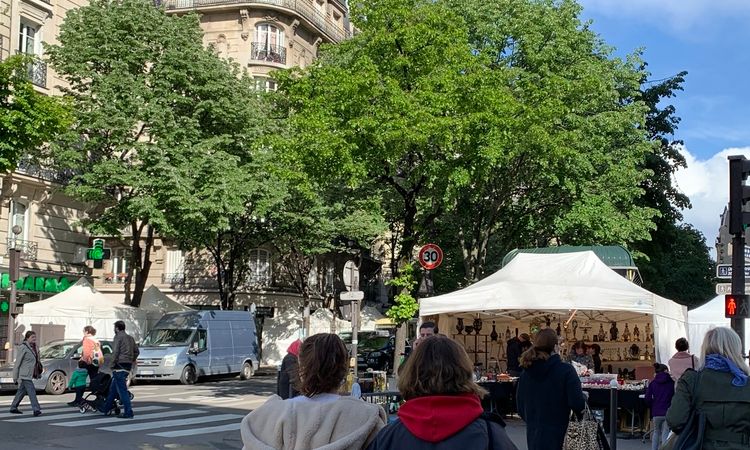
pixel 494 334
pixel 626 334
pixel 647 354
pixel 567 333
pixel 575 329
pixel 613 332
pixel 477 325
pixel 585 337
pixel 602 334
pixel 636 334
pixel 649 336
pixel 460 325
pixel 619 355
pixel 507 333
pixel 559 330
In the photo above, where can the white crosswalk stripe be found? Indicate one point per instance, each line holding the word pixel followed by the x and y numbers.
pixel 48 417
pixel 196 431
pixel 27 411
pixel 159 415
pixel 171 423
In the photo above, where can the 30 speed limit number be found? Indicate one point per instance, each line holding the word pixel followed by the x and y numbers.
pixel 430 256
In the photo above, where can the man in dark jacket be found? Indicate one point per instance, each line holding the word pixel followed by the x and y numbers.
pixel 516 347
pixel 124 354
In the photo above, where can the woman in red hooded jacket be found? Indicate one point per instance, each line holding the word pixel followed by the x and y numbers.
pixel 443 408
pixel 288 373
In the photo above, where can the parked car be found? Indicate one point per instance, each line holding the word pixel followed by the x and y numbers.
pixel 187 345
pixel 375 349
pixel 60 359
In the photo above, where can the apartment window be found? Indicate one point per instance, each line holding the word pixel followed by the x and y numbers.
pixel 259 273
pixel 120 261
pixel 28 39
pixel 175 264
pixel 19 215
pixel 269 35
pixel 265 84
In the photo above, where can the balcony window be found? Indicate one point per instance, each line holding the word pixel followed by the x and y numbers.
pixel 19 215
pixel 265 84
pixel 259 273
pixel 120 264
pixel 174 270
pixel 29 43
pixel 268 44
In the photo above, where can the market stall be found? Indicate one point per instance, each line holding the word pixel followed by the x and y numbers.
pixel 577 295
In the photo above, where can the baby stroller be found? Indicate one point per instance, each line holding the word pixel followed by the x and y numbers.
pixel 99 390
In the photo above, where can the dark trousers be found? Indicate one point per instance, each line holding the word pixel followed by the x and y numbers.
pixel 119 388
pixel 26 387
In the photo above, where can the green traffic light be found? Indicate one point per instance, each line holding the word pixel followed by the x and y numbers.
pixel 4 306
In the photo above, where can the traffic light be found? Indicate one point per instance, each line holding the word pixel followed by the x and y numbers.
pixel 4 306
pixel 736 306
pixel 739 194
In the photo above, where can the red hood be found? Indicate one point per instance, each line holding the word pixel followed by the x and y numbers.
pixel 436 418
pixel 294 347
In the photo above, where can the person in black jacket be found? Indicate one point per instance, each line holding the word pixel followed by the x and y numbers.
pixel 288 373
pixel 516 347
pixel 443 409
pixel 548 391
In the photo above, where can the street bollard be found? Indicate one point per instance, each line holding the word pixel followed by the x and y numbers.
pixel 613 386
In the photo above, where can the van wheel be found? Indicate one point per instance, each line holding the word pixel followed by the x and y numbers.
pixel 188 375
pixel 247 371
pixel 56 383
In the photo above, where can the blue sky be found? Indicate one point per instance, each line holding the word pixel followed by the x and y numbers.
pixel 709 39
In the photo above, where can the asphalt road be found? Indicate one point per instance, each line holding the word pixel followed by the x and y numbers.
pixel 206 415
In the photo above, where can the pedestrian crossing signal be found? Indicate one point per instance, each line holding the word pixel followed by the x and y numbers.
pixel 736 306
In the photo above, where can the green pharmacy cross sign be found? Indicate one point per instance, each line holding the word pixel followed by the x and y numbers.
pixel 4 306
pixel 98 253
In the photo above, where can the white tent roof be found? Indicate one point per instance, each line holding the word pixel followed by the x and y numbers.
pixel 705 317
pixel 369 317
pixel 82 305
pixel 562 282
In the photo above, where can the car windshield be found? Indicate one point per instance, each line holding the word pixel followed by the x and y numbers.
pixel 373 342
pixel 57 350
pixel 166 338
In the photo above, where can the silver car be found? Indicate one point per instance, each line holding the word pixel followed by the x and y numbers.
pixel 60 359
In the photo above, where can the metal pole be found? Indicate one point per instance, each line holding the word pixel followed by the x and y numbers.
pixel 613 415
pixel 738 279
pixel 11 323
pixel 355 338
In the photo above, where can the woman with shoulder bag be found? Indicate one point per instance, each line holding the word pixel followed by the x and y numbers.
pixel 27 368
pixel 443 408
pixel 719 393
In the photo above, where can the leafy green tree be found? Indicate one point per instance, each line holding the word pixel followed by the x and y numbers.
pixel 160 123
pixel 28 119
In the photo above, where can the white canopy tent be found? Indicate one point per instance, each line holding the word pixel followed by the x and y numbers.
pixel 82 305
pixel 369 318
pixel 154 303
pixel 564 283
pixel 705 317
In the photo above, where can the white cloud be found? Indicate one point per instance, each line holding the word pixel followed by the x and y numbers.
pixel 706 182
pixel 677 15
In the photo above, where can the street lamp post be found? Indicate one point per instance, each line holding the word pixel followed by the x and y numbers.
pixel 14 269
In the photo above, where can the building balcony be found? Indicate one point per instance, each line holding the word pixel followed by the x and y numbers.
pixel 37 72
pixel 269 53
pixel 28 249
pixel 115 278
pixel 304 8
pixel 32 168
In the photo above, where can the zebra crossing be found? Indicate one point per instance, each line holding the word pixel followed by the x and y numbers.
pixel 172 421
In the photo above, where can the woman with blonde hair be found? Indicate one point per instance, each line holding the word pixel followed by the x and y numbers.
pixel 443 408
pixel 720 390
pixel 319 417
pixel 548 391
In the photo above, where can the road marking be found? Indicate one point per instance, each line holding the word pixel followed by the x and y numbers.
pixel 27 412
pixel 171 423
pixel 159 415
pixel 194 431
pixel 167 394
pixel 44 418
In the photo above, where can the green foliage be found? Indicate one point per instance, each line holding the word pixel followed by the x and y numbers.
pixel 28 119
pixel 405 305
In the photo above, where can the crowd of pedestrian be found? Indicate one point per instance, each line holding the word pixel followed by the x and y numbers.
pixel 442 406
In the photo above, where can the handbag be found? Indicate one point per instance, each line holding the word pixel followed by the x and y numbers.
pixel 97 359
pixel 691 436
pixel 582 434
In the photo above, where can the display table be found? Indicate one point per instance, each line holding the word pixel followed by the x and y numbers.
pixel 501 396
pixel 627 400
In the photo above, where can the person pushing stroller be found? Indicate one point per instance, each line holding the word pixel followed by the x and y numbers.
pixel 124 355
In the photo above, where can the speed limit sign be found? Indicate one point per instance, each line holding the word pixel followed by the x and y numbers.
pixel 430 256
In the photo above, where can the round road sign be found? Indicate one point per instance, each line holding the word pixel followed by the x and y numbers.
pixel 430 256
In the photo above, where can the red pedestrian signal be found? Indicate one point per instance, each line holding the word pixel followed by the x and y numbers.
pixel 736 306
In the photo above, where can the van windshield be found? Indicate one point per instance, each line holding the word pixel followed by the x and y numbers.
pixel 166 338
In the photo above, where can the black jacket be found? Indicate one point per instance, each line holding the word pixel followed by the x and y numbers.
pixel 514 352
pixel 287 375
pixel 547 392
pixel 443 422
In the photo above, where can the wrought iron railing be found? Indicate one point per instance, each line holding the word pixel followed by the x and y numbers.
pixel 265 52
pixel 335 31
pixel 37 71
pixel 28 248
pixel 35 169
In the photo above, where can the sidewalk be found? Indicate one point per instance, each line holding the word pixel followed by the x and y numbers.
pixel 517 431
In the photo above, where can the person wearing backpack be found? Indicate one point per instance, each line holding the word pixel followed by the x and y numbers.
pixel 443 407
pixel 719 390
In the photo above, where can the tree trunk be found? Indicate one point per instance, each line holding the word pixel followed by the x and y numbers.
pixel 141 276
pixel 401 336
pixel 306 314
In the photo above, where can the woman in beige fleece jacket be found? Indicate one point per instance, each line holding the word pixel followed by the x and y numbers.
pixel 319 418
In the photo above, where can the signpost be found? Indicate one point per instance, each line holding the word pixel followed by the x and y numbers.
pixel 353 296
pixel 430 256
pixel 739 194
pixel 726 288
pixel 98 253
pixel 724 271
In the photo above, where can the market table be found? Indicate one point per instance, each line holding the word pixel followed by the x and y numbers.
pixel 628 400
pixel 501 396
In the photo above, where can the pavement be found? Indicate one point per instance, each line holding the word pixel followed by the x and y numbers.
pixel 204 416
